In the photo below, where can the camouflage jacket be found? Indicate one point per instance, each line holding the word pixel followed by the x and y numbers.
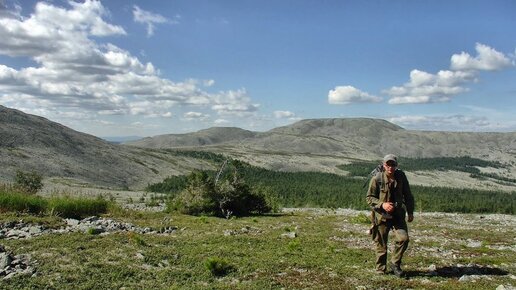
pixel 397 192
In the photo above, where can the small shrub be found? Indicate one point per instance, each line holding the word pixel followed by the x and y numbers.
pixel 93 231
pixel 29 182
pixel 361 218
pixel 137 239
pixel 218 266
pixel 294 245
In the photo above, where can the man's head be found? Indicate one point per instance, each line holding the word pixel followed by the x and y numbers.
pixel 390 162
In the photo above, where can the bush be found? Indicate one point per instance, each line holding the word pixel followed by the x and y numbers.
pixel 218 266
pixel 199 197
pixel 231 197
pixel 236 198
pixel 29 182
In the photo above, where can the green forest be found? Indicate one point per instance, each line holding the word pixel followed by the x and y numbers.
pixel 316 189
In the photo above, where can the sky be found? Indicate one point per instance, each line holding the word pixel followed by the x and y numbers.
pixel 145 68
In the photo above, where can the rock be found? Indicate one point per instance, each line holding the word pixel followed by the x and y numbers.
pixel 290 235
pixel 5 260
pixel 229 233
pixel 140 256
pixel 468 278
pixel 474 244
pixel 35 230
pixel 72 222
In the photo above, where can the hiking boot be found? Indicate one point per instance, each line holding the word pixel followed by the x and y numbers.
pixel 396 270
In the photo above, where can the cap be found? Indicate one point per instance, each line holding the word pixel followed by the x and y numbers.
pixel 390 157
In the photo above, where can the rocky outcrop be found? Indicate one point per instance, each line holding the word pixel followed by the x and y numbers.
pixel 90 225
pixel 12 265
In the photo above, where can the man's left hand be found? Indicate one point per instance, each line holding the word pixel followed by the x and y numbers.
pixel 410 218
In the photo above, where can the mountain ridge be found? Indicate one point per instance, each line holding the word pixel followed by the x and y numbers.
pixel 31 142
pixel 34 143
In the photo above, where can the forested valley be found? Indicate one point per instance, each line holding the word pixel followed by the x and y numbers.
pixel 316 189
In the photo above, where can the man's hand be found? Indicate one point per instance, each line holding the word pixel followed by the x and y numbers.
pixel 410 218
pixel 388 207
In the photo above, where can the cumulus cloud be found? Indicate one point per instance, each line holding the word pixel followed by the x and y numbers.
pixel 348 94
pixel 150 19
pixel 283 114
pixel 443 123
pixel 192 116
pixel 235 103
pixel 75 72
pixel 221 122
pixel 424 87
pixel 487 59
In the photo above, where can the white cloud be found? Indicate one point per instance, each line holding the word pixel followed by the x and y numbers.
pixel 487 59
pixel 234 103
pixel 150 19
pixel 192 116
pixel 348 94
pixel 283 114
pixel 443 123
pixel 426 88
pixel 76 72
pixel 221 122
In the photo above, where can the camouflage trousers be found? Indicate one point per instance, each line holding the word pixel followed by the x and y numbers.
pixel 401 240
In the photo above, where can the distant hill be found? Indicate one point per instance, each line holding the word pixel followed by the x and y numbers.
pixel 29 142
pixel 324 144
pixel 360 138
pixel 211 136
pixel 33 143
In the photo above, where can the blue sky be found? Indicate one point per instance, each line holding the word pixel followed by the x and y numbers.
pixel 119 68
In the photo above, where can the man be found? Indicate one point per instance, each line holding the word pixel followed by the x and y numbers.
pixel 391 199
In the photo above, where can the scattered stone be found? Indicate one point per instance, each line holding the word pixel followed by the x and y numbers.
pixel 91 225
pixel 5 260
pixel 11 266
pixel 468 278
pixel 505 287
pixel 290 235
pixel 474 244
pixel 140 256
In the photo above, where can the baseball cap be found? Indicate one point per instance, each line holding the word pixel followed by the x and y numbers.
pixel 390 157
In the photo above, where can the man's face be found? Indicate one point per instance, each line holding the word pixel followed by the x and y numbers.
pixel 390 167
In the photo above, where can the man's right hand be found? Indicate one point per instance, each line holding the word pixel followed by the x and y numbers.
pixel 388 207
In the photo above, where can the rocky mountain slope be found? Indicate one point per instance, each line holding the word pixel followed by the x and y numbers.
pixel 356 137
pixel 359 138
pixel 322 144
pixel 33 143
pixel 217 135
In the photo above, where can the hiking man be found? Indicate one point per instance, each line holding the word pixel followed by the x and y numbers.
pixel 390 197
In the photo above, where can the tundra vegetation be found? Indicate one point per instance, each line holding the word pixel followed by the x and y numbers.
pixel 258 247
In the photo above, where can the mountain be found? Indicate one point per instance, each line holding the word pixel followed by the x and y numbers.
pixel 211 136
pixel 33 143
pixel 323 144
pixel 360 138
pixel 29 142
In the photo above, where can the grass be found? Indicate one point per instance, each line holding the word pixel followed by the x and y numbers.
pixel 67 207
pixel 331 251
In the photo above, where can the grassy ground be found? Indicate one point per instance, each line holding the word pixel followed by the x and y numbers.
pixel 331 251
